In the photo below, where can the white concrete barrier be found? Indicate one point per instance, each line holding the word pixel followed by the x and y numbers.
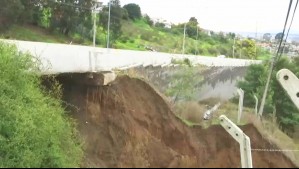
pixel 64 58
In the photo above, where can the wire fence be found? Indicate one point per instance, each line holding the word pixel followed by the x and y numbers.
pixel 273 150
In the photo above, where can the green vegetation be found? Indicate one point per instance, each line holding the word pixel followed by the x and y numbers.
pixel 71 21
pixel 278 102
pixel 34 129
pixel 31 33
pixel 134 11
pixel 183 83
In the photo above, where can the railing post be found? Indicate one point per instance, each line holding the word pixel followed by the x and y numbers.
pixel 290 83
pixel 241 138
pixel 256 105
pixel 241 99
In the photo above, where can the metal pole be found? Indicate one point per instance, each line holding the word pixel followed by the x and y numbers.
pixel 184 38
pixel 256 104
pixel 241 49
pixel 196 41
pixel 94 26
pixel 234 47
pixel 266 90
pixel 241 98
pixel 108 34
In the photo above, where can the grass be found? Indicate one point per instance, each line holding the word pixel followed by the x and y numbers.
pixel 31 33
pixel 268 129
pixel 34 128
pixel 192 113
pixel 271 132
pixel 187 122
pixel 264 57
pixel 137 35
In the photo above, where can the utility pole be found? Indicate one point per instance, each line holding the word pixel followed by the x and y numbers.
pixel 256 39
pixel 196 41
pixel 108 34
pixel 94 23
pixel 94 11
pixel 241 49
pixel 234 47
pixel 266 90
pixel 184 38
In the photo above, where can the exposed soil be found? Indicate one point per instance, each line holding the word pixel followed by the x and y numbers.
pixel 128 124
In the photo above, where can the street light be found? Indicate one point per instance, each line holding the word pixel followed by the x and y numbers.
pixel 96 8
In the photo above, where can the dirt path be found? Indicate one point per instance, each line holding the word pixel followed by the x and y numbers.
pixel 127 124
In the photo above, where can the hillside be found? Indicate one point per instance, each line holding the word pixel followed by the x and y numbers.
pixel 128 124
pixel 137 35
pixel 71 22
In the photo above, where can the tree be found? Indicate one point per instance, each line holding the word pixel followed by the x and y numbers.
pixel 34 129
pixel 252 83
pixel 231 35
pixel 148 20
pixel 10 10
pixel 192 27
pixel 160 25
pixel 31 10
pixel 267 37
pixel 183 82
pixel 278 36
pixel 134 11
pixel 277 99
pixel 115 20
pixel 246 49
pixel 249 46
pixel 68 14
pixel 287 113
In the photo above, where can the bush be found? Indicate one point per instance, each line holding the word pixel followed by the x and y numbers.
pixel 190 111
pixel 213 51
pixel 34 129
pixel 132 40
pixel 124 39
pixel 146 37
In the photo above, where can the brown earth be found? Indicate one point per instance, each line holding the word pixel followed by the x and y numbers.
pixel 128 124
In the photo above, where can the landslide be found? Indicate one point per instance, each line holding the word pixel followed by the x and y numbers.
pixel 129 124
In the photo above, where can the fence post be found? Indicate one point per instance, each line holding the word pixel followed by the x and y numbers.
pixel 241 98
pixel 290 83
pixel 256 105
pixel 241 138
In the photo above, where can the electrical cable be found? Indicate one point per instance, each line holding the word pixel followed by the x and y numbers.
pixel 273 62
pixel 294 12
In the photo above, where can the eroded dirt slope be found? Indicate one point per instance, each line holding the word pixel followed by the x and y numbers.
pixel 127 124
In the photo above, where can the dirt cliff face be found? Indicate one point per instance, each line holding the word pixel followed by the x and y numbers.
pixel 128 124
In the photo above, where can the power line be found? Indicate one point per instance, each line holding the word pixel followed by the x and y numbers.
pixel 294 12
pixel 273 63
pixel 283 33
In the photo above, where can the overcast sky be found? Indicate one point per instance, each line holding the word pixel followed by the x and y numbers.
pixel 222 15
